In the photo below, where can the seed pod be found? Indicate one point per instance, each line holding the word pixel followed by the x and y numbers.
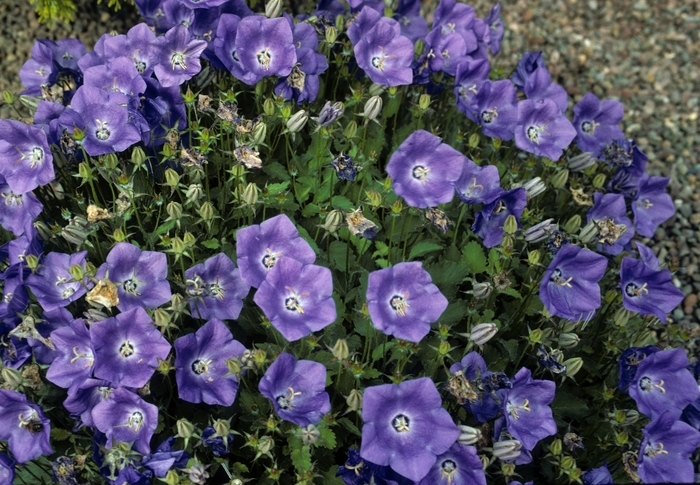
pixel 172 178
pixel 555 447
pixel 507 450
pixel 269 107
pixel 481 291
pixel 297 121
pixel 581 162
pixel 424 101
pixel 250 194
pixel 573 366
pixel 559 179
pixel 331 35
pixel 333 221
pixel 568 340
pixel 534 187
pixel 185 429
pixel 599 180
pixel 259 133
pixel 533 257
pixel 340 350
pixel 273 8
pixel 373 108
pixel 350 130
pixel 573 224
pixel 354 400
pixel 511 224
pixel 483 332
pixel 468 435
pixel 174 210
pixel 207 211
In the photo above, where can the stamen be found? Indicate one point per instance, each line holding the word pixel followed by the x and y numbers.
pixel 557 278
pixel 89 357
pixel 488 116
pixel 355 468
pixel 126 349
pixel 270 259
pixel 448 470
pixel 285 402
pixel 420 172
pixel 652 451
pixel 399 304
pixel 400 423
pixel 513 410
pixel 292 302
pixel 178 59
pixel 264 58
pixel 200 367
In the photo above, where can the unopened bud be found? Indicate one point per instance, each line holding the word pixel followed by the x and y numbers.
pixel 273 8
pixel 589 232
pixel 138 157
pixel 573 365
pixel 350 130
pixel 333 221
pixel 172 478
pixel 555 447
pixel 32 262
pixel 331 35
pixel 172 178
pixel 373 108
pixel 444 347
pixel 622 316
pixel 507 469
pixel 541 231
pixel 340 350
pixel 483 332
pixel 194 193
pixel 269 107
pixel 222 428
pixel 581 162
pixel 84 171
pixel 631 417
pixel 374 197
pixel 297 121
pixel 12 377
pixel 174 210
pixel 568 340
pixel 507 450
pixel 468 435
pixel 474 140
pixel 265 444
pixel 534 187
pixel 599 180
pixel 285 111
pixel 419 48
pixel 397 207
pixel 481 291
pixel 259 133
pixel 110 161
pixel 8 97
pixel 535 336
pixel 354 400
pixel 511 224
pixel 207 211
pixel 559 179
pixel 161 318
pixel 77 272
pixel 533 257
pixel 250 194
pixel 118 235
pixel 568 462
pixel 424 101
pixel 573 224
pixel 185 429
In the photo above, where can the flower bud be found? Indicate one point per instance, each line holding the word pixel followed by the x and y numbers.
pixel 297 121
pixel 373 108
pixel 507 470
pixel 599 180
pixel 8 97
pixel 573 224
pixel 541 231
pixel 474 140
pixel 110 161
pixel 568 462
pixel 424 101
pixel 43 230
pixel 174 210
pixel 581 162
pixel 533 257
pixel 568 340
pixel 285 111
pixel 535 336
pixel 555 447
pixel 84 171
pixel 32 262
pixel 265 444
pixel 172 478
pixel 468 435
pixel 419 48
pixel 507 450
pixel 207 211
pixel 250 194
pixel 172 178
pixel 138 157
pixel 222 427
pixel 483 332
pixel 350 130
pixel 534 187
pixel 481 291
pixel 331 35
pixel 631 417
pixel 29 101
pixel 259 133
pixel 374 197
pixel 269 107
pixel 511 224
pixel 589 232
pixel 444 348
pixel 12 377
pixel 354 400
pixel 340 350
pixel 340 23
pixel 397 207
pixel 118 235
pixel 161 318
pixel 622 316
pixel 75 232
pixel 194 192
pixel 77 272
pixel 559 179
pixel 573 366
pixel 273 8
pixel 185 429
pixel 237 171
pixel 333 221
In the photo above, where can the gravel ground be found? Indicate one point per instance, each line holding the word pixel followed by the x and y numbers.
pixel 640 52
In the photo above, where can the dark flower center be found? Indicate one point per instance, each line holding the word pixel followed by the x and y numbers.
pixel 130 286
pixel 135 421
pixel 646 384
pixel 399 304
pixel 102 133
pixel 178 60
pixel 292 304
pixel 36 157
pixel 217 290
pixel 126 349
pixel 488 116
pixel 140 66
pixel 200 366
pixel 270 259
pixel 632 290
pixel 32 423
pixel 447 470
pixel 533 133
pixel 420 172
pixel 558 279
pixel 589 127
pixel 264 58
pixel 401 423
pixel 284 401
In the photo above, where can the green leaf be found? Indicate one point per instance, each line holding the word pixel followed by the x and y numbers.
pixel 447 274
pixel 310 210
pixel 511 346
pixel 211 243
pixel 338 255
pixel 473 255
pixel 494 261
pixel 342 203
pixel 59 434
pixel 350 426
pixel 276 189
pixel 568 405
pixel 276 170
pixel 422 248
pixel 382 349
pixel 165 227
pixel 382 249
pixel 301 458
pixel 328 437
pixel 513 292
pixel 370 373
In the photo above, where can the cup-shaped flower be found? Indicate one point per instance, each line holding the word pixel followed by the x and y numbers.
pixel 569 287
pixel 296 389
pixel 403 301
pixel 385 55
pixel 543 129
pixel 25 158
pixel 297 299
pixel 39 69
pixel 406 427
pixel 460 465
pixel 175 56
pixel 596 122
pixel 651 204
pixel 216 289
pixel 663 384
pixel 53 285
pixel 490 221
pixel 126 418
pixel 200 365
pixel 24 425
pixel 264 47
pixel 496 108
pixel 17 211
pixel 423 170
pixel 615 229
pixel 140 276
pixel 260 247
pixel 529 62
pixel 7 469
pixel 84 397
pixel 133 45
pixel 598 476
pixel 629 362
pixel 76 355
pixel 127 348
pixel 647 289
pixel 478 185
pixel 664 455
pixel 526 409
pixel 539 86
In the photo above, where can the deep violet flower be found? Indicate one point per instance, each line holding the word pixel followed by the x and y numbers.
pixel 407 14
pixel 596 122
pixel 265 47
pixel 296 298
pixel 543 129
pixel 17 211
pixel 651 204
pixel 358 471
pixel 25 158
pixel 126 418
pixel 598 476
pixel 7 469
pixel 467 376
pixel 53 284
pixel 569 287
pixel 489 222
pixel 384 54
pixel 120 75
pixel 164 458
pixel 496 28
pixel 164 110
pixel 423 170
pixel 526 408
pixel 539 86
pixel 469 77
pixel 76 355
pixel 175 56
pixel 140 276
pixel 478 185
pixel 495 108
pixel 200 365
pixel 629 361
pixel 405 427
pixel 133 45
pixel 296 389
pixel 615 229
pixel 646 289
pixel 260 247
pixel 663 384
pixel 84 397
pixel 217 444
pixel 216 289
pixel 24 425
pixel 460 465
pixel 302 84
pixel 529 62
pixel 127 348
pixel 664 455
pixel 403 301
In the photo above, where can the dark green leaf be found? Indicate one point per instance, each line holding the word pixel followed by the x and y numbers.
pixel 211 243
pixel 422 248
pixel 473 255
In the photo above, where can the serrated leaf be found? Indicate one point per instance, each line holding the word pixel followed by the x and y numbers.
pixel 338 255
pixel 511 346
pixel 310 210
pixel 382 249
pixel 568 405
pixel 276 189
pixel 301 458
pixel 370 373
pixel 276 170
pixel 494 261
pixel 473 255
pixel 211 243
pixel 341 203
pixel 350 426
pixel 513 292
pixel 59 434
pixel 422 248
pixel 328 437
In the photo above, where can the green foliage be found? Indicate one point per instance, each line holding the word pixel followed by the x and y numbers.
pixel 51 11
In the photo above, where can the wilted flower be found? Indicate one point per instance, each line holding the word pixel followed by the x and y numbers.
pixel 7 469
pixel 200 364
pixel 406 427
pixel 217 444
pixel 296 389
pixel 598 476
pixel 469 77
pixel 493 20
pixel 460 465
pixel 165 458
pixel 543 129
pixel 329 113
pixel 615 229
pixel 126 418
pixel 24 426
pixel 403 301
pixel 216 289
pixel 344 167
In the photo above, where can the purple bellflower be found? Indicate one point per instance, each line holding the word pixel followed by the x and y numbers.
pixel 405 427
pixel 469 77
pixel 175 56
pixel 403 301
pixel 646 289
pixel 53 284
pixel 25 158
pixel 164 458
pixel 84 397
pixel 423 170
pixel 629 361
pixel 265 47
pixel 529 62
pixel 452 16
pixel 651 204
pixel 296 389
pixel 296 298
pixel 134 45
pixel 226 48
pixel 596 122
pixel 7 469
pixel 539 86
pixel 39 69
pixel 543 129
pixel 478 185
pixel 384 54
pixel 615 229
pixel 407 14
pixel 140 276
pixel 17 211
pixel 200 365
pixel 76 355
pixel 526 409
pixel 496 109
pixel 217 444
pixel 260 247
pixel 357 471
pixel 663 384
pixel 569 287
pixel 460 465
pixel 598 476
pixel 24 425
pixel 164 109
pixel 489 222
pixel 664 455
pixel 120 75
pixel 126 418
pixel 216 289
pixel 127 348
pixel 496 28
